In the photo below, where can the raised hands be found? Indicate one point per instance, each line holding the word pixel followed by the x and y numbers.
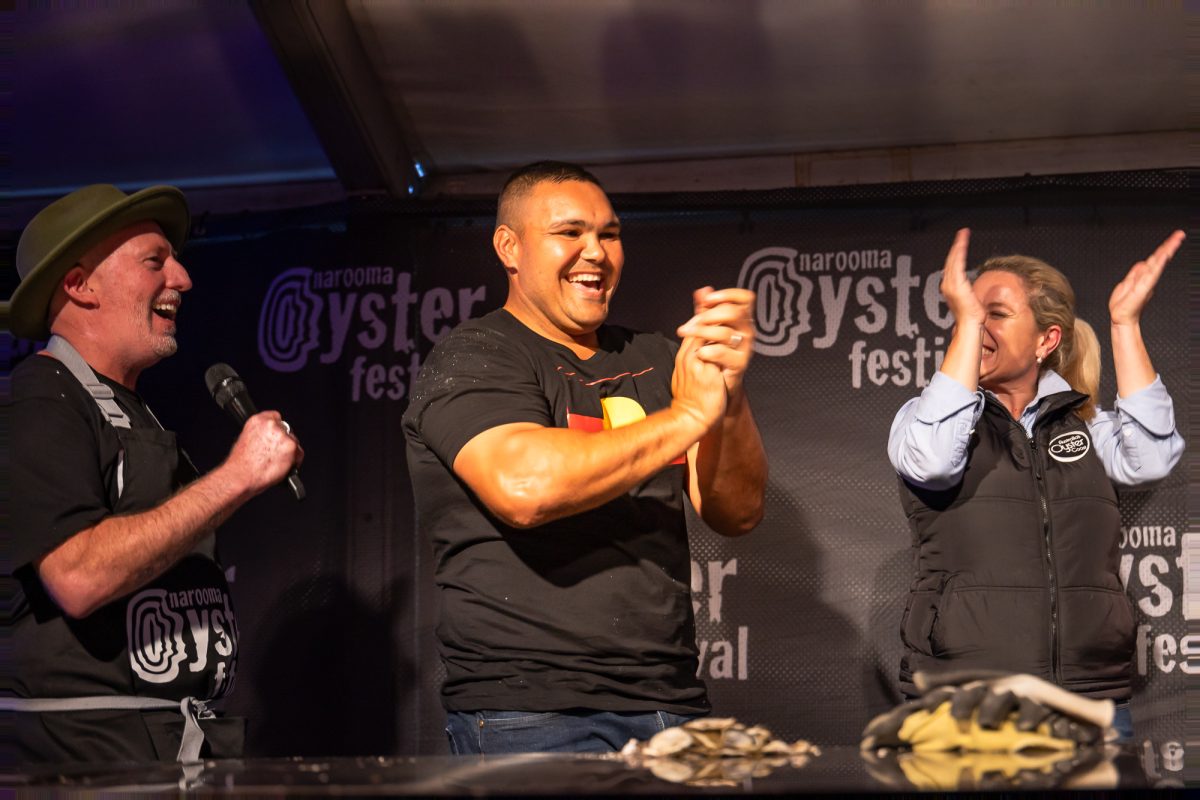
pixel 1131 294
pixel 961 361
pixel 1131 360
pixel 723 326
pixel 697 385
pixel 727 468
pixel 956 287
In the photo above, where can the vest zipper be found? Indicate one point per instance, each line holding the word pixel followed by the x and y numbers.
pixel 1048 539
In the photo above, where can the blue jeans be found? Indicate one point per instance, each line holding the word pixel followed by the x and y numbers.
pixel 490 732
pixel 1123 723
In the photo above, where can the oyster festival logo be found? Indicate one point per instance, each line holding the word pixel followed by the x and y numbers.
pixel 365 319
pixel 721 656
pixel 823 296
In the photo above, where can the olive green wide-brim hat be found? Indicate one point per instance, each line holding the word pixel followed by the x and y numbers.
pixel 65 230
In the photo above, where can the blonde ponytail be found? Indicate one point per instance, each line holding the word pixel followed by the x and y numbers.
pixel 1079 365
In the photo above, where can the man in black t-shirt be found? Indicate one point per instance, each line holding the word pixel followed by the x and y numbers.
pixel 550 454
pixel 121 622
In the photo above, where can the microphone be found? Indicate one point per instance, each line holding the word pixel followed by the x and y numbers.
pixel 229 391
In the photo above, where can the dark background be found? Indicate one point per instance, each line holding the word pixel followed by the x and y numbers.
pixel 299 129
pixel 335 596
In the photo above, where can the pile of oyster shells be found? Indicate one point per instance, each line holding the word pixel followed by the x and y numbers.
pixel 715 751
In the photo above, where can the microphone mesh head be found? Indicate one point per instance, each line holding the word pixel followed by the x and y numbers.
pixel 220 378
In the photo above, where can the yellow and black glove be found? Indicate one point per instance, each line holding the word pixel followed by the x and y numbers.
pixel 990 712
pixel 991 730
pixel 1085 768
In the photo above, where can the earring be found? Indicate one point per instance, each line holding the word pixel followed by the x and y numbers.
pixel 1039 359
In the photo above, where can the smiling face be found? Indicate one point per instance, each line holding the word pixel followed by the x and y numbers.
pixel 137 285
pixel 562 251
pixel 1012 341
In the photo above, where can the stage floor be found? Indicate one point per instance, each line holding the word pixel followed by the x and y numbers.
pixel 841 770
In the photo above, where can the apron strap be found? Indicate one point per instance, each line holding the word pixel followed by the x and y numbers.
pixel 193 711
pixel 61 349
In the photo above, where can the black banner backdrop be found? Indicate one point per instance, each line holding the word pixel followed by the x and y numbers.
pixel 327 316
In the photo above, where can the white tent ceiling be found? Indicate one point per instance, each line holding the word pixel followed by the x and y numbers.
pixel 489 83
pixel 483 85
pixel 654 94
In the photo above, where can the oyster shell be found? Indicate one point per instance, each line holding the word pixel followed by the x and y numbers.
pixel 668 742
pixel 716 751
pixel 710 723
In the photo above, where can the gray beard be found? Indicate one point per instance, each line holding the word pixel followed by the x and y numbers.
pixel 165 346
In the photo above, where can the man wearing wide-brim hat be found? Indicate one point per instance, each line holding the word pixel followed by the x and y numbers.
pixel 123 628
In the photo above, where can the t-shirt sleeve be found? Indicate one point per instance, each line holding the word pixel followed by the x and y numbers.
pixel 475 380
pixel 58 489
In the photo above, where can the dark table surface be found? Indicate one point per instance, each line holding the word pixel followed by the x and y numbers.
pixel 842 770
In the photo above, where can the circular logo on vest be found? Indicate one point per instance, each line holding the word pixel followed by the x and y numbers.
pixel 1068 447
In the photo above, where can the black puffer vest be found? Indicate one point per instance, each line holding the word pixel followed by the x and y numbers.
pixel 1016 566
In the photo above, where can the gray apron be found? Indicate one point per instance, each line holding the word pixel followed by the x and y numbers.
pixel 146 449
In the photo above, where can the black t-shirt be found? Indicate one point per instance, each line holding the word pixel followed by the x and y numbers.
pixel 171 638
pixel 592 611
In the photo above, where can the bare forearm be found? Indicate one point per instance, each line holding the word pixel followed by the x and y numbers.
pixel 1131 360
pixel 529 476
pixel 120 553
pixel 962 355
pixel 731 473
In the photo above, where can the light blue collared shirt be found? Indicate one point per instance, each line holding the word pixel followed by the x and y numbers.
pixel 1136 441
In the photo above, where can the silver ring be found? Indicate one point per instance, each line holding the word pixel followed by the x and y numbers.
pixel 286 428
pixel 736 340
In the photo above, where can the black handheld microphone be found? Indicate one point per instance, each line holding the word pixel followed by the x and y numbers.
pixel 227 388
